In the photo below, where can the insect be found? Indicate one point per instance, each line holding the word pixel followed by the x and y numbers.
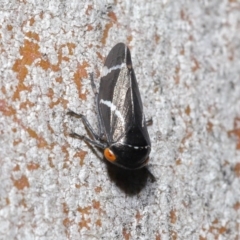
pixel 122 128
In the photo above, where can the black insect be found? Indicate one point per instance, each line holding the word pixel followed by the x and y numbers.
pixel 122 132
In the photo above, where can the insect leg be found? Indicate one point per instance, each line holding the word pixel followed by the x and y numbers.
pixel 149 122
pixel 100 126
pixel 85 122
pixel 151 176
pixel 86 139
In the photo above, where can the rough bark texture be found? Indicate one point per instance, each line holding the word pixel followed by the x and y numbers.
pixel 186 56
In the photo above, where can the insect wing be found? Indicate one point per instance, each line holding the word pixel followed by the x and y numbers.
pixel 137 134
pixel 114 93
pixel 119 100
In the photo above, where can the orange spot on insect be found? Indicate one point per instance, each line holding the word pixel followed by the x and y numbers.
pixel 109 155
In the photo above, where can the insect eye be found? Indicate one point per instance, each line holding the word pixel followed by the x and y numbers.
pixel 109 155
